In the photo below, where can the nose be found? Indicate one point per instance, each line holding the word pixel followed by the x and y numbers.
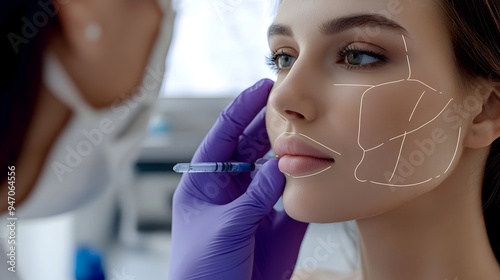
pixel 295 98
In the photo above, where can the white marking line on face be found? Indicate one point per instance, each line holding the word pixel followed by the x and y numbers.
pixel 305 176
pixel 352 85
pixel 399 156
pixel 333 151
pixel 413 112
pixel 409 68
pixel 456 149
pixel 282 117
pixel 311 139
pixel 433 119
pixel 370 87
pixel 375 147
pixel 408 61
pixel 357 166
pixel 361 111
pixel 303 135
pixel 418 81
pixel 401 186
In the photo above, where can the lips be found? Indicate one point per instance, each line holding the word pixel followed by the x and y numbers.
pixel 297 158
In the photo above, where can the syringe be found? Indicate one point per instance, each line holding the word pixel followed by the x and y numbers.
pixel 208 167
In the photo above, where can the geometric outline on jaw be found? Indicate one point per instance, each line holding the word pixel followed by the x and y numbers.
pixel 406 132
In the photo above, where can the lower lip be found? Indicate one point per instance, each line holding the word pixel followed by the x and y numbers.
pixel 303 165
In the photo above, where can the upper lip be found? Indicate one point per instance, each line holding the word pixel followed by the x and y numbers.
pixel 295 146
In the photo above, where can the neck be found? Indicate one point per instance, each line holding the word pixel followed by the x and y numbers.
pixel 440 235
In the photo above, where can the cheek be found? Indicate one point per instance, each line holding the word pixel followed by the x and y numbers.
pixel 275 124
pixel 397 143
pixel 404 136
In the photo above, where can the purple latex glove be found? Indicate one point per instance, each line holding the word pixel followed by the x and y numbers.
pixel 224 225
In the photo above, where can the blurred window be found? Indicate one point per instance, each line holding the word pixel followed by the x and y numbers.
pixel 219 47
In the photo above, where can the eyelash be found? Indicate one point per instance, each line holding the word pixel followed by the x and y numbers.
pixel 272 58
pixel 381 59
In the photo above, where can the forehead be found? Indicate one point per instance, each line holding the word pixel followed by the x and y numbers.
pixel 415 16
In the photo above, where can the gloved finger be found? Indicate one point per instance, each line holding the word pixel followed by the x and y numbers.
pixel 261 195
pixel 188 204
pixel 214 188
pixel 254 142
pixel 220 143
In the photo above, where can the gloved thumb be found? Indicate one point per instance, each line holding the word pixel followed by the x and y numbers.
pixel 262 193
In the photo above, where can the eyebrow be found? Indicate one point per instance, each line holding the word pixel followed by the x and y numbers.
pixel 341 24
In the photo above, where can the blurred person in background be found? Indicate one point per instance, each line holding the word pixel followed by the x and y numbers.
pixel 79 79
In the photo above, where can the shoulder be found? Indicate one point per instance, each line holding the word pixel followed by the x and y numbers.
pixel 325 275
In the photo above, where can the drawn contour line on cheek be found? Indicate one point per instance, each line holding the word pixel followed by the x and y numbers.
pixel 308 138
pixel 408 79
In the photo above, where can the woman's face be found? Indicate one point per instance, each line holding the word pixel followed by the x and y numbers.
pixel 364 110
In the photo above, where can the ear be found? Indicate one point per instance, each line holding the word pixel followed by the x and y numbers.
pixel 80 28
pixel 485 127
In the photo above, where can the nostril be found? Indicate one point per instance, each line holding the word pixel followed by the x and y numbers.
pixel 294 114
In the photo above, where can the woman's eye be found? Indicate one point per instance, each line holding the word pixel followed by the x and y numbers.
pixel 360 58
pixel 281 61
pixel 285 61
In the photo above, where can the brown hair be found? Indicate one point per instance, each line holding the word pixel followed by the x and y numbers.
pixel 21 73
pixel 475 32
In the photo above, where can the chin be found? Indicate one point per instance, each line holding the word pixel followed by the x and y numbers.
pixel 308 201
pixel 311 209
pixel 307 216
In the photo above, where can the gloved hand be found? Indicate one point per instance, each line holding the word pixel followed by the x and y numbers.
pixel 224 224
